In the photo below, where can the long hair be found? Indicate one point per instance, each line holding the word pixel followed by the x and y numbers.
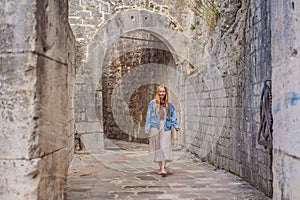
pixel 157 100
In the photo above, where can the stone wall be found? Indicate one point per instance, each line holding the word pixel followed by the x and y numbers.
pixel 224 117
pixel 256 160
pixel 215 109
pixel 36 86
pixel 286 98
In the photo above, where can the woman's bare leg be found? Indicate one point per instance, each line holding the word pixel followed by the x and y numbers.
pixel 159 164
pixel 163 167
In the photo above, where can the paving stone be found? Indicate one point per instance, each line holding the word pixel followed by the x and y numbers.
pixel 146 178
pixel 150 192
pixel 96 176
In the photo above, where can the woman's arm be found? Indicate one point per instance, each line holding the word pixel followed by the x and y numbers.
pixel 147 126
pixel 174 118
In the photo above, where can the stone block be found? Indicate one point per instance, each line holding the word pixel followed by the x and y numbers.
pixel 52 99
pixel 18 119
pixel 88 127
pixel 286 175
pixel 41 178
pixel 52 30
pixel 19 179
pixel 17 21
pixel 93 142
pixel 53 173
pixel 146 19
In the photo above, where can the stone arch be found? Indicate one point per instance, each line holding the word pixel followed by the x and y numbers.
pixel 161 26
pixel 137 62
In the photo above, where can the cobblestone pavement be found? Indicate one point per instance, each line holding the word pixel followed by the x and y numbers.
pixel 124 171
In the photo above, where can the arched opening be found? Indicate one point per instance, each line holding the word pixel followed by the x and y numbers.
pixel 151 52
pixel 129 55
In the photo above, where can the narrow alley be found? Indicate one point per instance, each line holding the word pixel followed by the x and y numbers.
pixel 85 85
pixel 124 171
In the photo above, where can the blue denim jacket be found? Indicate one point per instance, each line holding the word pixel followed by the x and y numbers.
pixel 154 121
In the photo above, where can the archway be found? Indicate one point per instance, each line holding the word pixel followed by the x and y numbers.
pixel 134 55
pixel 133 21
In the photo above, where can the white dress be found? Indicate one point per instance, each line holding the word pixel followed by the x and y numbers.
pixel 160 144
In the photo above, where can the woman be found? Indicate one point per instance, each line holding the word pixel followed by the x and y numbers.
pixel 161 116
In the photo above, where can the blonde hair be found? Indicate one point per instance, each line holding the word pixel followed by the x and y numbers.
pixel 157 100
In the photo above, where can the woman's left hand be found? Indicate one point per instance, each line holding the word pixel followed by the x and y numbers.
pixel 177 129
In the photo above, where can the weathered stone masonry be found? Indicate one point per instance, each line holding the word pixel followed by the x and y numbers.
pixel 216 82
pixel 257 163
pixel 222 75
pixel 36 83
pixel 242 55
pixel 286 98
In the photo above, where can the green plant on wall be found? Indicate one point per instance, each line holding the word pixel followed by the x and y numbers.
pixel 193 26
pixel 207 11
